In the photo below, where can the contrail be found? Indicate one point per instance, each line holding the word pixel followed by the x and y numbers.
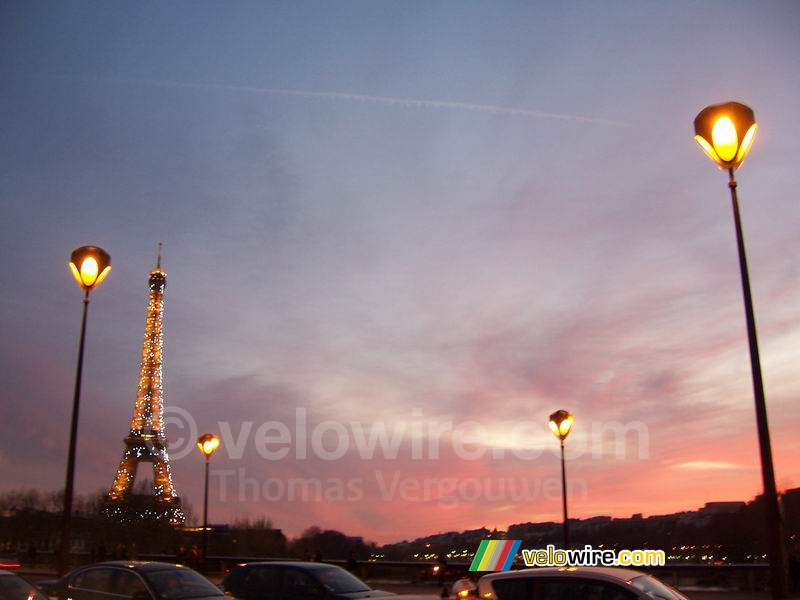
pixel 388 100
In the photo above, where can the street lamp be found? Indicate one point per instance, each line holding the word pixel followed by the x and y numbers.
pixel 726 132
pixel 207 443
pixel 89 266
pixel 560 425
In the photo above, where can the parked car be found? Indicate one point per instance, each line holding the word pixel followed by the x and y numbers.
pixel 137 580
pixel 295 581
pixel 14 587
pixel 575 583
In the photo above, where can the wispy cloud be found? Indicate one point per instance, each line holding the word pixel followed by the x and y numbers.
pixel 708 465
pixel 352 97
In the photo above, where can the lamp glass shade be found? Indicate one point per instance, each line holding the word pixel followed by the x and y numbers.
pixel 725 132
pixel 89 266
pixel 746 143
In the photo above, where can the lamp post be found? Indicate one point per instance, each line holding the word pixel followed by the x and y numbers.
pixel 89 266
pixel 207 443
pixel 560 425
pixel 726 132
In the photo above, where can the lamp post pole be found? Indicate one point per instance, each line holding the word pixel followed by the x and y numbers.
pixel 66 518
pixel 773 515
pixel 564 496
pixel 561 424
pixel 204 543
pixel 89 265
pixel 207 444
pixel 725 132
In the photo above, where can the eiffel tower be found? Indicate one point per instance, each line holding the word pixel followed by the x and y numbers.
pixel 146 441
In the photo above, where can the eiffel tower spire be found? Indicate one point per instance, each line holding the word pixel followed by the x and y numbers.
pixel 145 441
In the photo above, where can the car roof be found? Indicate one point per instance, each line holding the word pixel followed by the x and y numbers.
pixel 289 563
pixel 617 574
pixel 145 566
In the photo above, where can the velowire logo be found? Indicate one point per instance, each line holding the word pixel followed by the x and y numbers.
pixel 495 555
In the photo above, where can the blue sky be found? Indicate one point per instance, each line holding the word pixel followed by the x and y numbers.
pixel 487 209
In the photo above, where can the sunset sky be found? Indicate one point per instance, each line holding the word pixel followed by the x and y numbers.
pixel 485 211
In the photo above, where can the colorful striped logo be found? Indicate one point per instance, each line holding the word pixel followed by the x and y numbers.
pixel 495 555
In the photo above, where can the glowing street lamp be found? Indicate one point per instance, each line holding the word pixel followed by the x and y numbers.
pixel 560 425
pixel 207 443
pixel 726 132
pixel 89 266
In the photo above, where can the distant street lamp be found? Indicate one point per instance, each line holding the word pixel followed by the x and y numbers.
pixel 560 425
pixel 207 443
pixel 89 266
pixel 726 132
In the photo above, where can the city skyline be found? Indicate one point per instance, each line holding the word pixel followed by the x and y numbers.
pixel 486 212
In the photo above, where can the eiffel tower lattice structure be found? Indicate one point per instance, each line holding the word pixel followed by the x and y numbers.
pixel 145 442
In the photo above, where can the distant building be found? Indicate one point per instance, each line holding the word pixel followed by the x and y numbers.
pixel 721 508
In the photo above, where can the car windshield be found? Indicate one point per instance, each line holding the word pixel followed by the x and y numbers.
pixel 16 588
pixel 179 584
pixel 655 589
pixel 340 581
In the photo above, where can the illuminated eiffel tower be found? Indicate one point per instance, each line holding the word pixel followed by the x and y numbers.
pixel 146 441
